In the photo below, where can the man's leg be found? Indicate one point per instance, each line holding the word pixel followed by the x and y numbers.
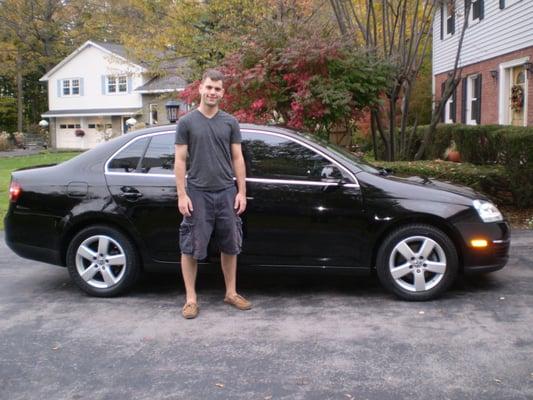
pixel 189 268
pixel 229 268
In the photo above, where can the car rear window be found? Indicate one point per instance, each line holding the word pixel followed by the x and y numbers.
pixel 159 158
pixel 127 160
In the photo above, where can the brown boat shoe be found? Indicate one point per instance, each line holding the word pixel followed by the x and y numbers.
pixel 238 302
pixel 190 310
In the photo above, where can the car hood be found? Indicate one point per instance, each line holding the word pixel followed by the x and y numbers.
pixel 416 188
pixel 436 184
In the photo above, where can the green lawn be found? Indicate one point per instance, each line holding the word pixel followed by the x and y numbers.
pixel 8 164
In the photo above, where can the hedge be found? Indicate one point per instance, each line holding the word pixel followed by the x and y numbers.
pixel 508 146
pixel 489 179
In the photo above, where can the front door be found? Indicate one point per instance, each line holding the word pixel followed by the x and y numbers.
pixel 517 96
pixel 298 213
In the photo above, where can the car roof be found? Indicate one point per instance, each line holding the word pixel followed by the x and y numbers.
pixel 267 128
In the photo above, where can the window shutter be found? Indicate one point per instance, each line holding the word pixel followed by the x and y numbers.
pixel 481 10
pixel 502 4
pixel 59 92
pixel 478 101
pixel 129 84
pixel 441 22
pixel 463 100
pixel 453 108
pixel 81 87
pixel 443 113
pixel 103 84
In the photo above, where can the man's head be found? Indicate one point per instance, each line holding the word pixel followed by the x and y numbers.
pixel 211 88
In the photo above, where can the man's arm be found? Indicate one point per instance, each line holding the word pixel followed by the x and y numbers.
pixel 180 159
pixel 240 173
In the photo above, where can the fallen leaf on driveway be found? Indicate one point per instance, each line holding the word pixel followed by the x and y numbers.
pixel 497 380
pixel 56 347
pixel 421 312
pixel 220 385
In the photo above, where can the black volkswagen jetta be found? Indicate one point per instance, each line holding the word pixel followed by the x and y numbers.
pixel 111 212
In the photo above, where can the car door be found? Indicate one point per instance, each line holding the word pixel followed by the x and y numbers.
pixel 304 208
pixel 141 180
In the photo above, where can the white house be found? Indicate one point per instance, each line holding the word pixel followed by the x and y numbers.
pixel 496 58
pixel 97 88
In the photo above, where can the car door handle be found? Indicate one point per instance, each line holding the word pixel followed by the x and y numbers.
pixel 130 193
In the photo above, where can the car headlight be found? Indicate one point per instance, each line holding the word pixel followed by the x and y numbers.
pixel 487 211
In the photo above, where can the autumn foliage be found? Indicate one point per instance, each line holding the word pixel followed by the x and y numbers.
pixel 306 81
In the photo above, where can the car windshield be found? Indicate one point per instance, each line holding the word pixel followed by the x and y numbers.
pixel 343 154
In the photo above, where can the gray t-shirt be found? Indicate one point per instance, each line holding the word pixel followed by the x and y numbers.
pixel 209 145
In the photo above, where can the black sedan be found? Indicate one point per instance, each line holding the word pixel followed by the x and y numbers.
pixel 111 212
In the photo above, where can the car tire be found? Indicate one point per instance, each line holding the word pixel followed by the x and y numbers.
pixel 417 262
pixel 102 261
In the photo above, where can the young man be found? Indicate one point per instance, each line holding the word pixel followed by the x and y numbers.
pixel 209 201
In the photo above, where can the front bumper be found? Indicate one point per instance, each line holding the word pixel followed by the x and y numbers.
pixel 491 258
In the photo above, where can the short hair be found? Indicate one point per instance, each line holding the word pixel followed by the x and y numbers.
pixel 213 74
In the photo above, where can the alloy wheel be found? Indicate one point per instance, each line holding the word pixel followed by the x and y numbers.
pixel 417 263
pixel 100 261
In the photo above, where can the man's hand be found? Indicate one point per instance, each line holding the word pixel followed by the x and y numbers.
pixel 240 203
pixel 185 205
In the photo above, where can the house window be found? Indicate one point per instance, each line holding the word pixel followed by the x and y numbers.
pixel 448 18
pixel 507 3
pixel 476 11
pixel 153 114
pixel 117 84
pixel 473 100
pixel 449 110
pixel 70 87
pixel 63 126
pixel 92 126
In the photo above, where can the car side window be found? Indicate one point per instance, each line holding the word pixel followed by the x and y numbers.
pixel 128 159
pixel 275 157
pixel 159 158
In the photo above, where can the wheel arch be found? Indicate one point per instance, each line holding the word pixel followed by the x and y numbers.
pixel 435 221
pixel 83 223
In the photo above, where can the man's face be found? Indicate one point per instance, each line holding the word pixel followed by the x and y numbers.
pixel 211 92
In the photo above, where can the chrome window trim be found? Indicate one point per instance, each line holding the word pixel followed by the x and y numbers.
pixel 354 184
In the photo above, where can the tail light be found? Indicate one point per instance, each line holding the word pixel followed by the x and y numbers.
pixel 15 190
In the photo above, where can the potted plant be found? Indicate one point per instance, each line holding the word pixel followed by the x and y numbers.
pixel 451 153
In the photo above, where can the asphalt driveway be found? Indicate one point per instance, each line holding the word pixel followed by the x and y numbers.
pixel 312 337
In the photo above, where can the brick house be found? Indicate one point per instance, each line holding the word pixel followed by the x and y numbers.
pixel 497 61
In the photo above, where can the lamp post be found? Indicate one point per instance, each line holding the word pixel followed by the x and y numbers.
pixel 172 107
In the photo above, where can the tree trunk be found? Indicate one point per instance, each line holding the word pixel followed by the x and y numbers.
pixel 451 84
pixel 374 135
pixel 20 95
